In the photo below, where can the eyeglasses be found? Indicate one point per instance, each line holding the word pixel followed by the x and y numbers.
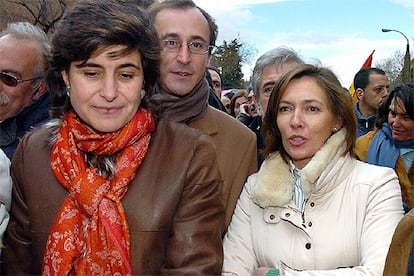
pixel 199 48
pixel 11 80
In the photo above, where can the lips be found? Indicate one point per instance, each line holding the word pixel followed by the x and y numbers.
pixel 182 74
pixel 107 110
pixel 296 140
pixel 397 132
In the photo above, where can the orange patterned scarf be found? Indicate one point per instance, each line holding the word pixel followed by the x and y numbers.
pixel 90 234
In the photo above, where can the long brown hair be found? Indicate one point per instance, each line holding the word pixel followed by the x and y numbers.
pixel 339 100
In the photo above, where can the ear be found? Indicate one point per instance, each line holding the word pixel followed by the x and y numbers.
pixel 40 91
pixel 339 123
pixel 359 93
pixel 65 77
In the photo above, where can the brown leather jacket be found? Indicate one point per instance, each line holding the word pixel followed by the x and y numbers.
pixel 236 151
pixel 174 205
pixel 400 248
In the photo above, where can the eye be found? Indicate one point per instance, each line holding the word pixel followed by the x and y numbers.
pixel 392 113
pixel 197 45
pixel 170 43
pixel 406 118
pixel 91 74
pixel 126 75
pixel 284 109
pixel 268 90
pixel 313 109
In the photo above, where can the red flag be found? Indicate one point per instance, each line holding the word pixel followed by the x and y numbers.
pixel 366 64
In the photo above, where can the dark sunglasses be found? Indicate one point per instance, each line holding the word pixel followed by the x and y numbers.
pixel 11 80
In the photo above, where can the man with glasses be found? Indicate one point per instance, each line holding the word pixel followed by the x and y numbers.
pixel 372 89
pixel 24 101
pixel 187 35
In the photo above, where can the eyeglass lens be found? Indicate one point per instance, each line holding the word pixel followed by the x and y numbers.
pixel 8 79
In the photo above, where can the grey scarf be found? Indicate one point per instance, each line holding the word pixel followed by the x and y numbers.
pixel 183 109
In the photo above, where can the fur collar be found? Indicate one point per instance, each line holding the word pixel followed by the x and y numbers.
pixel 274 182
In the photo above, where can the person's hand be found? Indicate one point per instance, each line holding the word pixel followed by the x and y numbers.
pixel 266 271
pixel 244 108
pixel 253 110
pixel 249 109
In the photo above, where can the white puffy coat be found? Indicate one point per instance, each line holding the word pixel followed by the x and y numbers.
pixel 350 215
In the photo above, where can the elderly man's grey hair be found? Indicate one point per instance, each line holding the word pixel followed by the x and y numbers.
pixel 27 31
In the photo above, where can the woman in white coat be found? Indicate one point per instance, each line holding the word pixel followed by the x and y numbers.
pixel 312 209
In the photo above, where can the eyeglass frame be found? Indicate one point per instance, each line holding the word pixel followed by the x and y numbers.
pixel 179 44
pixel 15 79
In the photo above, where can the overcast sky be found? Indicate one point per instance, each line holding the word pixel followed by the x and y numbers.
pixel 339 33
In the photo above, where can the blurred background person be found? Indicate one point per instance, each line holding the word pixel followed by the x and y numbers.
pixel 248 110
pixel 311 190
pixel 215 79
pixel 391 143
pixel 88 194
pixel 240 98
pixel 213 99
pixel 371 88
pixel 24 97
pixel 225 100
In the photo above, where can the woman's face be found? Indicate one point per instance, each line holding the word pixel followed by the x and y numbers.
pixel 106 91
pixel 239 101
pixel 402 127
pixel 226 103
pixel 305 120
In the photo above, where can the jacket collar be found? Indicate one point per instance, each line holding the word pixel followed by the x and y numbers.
pixel 274 182
pixel 207 123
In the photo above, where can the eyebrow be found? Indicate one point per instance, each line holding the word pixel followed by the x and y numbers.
pixel 12 72
pixel 269 83
pixel 91 64
pixel 305 101
pixel 177 36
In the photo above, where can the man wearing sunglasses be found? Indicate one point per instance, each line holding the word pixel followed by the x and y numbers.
pixel 24 101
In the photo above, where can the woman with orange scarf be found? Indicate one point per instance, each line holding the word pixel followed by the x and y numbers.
pixel 109 187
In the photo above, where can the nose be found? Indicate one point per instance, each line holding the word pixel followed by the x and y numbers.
pixel 296 119
pixel 184 54
pixel 109 89
pixel 385 92
pixel 396 121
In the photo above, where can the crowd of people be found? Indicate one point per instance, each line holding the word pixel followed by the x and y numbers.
pixel 123 154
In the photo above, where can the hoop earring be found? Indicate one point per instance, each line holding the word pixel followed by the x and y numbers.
pixel 68 90
pixel 142 94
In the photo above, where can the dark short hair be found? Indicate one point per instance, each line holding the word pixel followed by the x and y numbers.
pixel 338 100
pixel 404 92
pixel 92 26
pixel 361 79
pixel 185 4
